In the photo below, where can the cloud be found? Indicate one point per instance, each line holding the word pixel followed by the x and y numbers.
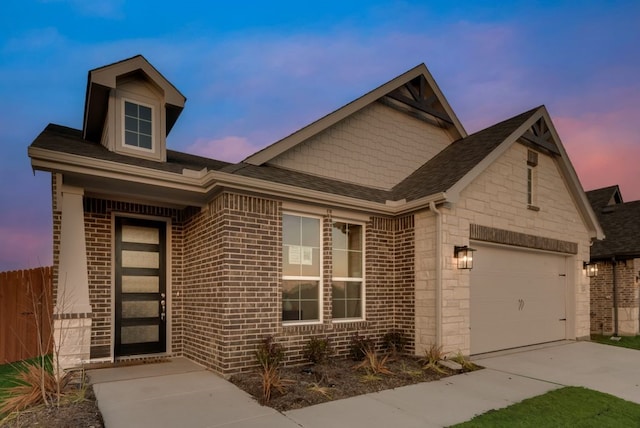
pixel 604 149
pixel 35 39
pixel 100 8
pixel 230 148
pixel 25 247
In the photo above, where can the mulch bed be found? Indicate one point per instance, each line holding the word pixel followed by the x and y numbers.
pixel 337 379
pixel 80 414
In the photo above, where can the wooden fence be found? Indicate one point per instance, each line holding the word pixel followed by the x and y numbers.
pixel 26 310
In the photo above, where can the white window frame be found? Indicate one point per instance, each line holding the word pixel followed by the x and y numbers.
pixel 306 278
pixel 123 119
pixel 363 289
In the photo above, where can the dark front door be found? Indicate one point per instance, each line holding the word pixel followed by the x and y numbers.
pixel 140 317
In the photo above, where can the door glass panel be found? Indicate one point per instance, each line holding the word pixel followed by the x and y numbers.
pixel 140 284
pixel 139 334
pixel 140 309
pixel 140 235
pixel 140 259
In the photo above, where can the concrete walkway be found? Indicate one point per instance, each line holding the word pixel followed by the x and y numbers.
pixel 182 394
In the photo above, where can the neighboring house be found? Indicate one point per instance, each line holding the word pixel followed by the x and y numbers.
pixel 349 225
pixel 614 291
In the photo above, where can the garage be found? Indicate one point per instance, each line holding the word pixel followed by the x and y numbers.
pixel 518 298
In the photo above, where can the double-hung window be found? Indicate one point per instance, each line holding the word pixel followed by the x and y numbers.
pixel 301 268
pixel 138 126
pixel 347 286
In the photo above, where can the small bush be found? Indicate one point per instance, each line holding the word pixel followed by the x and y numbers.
pixel 269 353
pixel 432 355
pixel 394 341
pixel 318 350
pixel 466 364
pixel 374 365
pixel 359 346
pixel 35 384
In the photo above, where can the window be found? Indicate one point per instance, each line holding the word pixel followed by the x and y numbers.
pixel 529 185
pixel 301 267
pixel 348 267
pixel 137 125
pixel 532 162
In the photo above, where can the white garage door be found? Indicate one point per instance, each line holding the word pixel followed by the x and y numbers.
pixel 517 298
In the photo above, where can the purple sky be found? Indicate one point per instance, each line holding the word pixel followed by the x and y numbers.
pixel 254 73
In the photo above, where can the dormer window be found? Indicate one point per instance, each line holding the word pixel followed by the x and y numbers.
pixel 138 129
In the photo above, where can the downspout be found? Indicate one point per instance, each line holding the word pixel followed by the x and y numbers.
pixel 432 207
pixel 615 298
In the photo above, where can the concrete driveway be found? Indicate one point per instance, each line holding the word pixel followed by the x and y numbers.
pixel 181 393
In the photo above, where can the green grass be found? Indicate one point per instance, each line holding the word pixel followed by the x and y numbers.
pixel 565 407
pixel 631 342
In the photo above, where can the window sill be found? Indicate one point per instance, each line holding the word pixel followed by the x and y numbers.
pixel 533 208
pixel 347 320
pixel 300 323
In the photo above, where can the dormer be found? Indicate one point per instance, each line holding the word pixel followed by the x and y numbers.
pixel 130 108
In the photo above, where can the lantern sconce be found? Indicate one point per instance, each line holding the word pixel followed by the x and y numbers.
pixel 591 269
pixel 464 255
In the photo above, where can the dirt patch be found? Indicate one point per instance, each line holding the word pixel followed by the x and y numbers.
pixel 337 379
pixel 79 414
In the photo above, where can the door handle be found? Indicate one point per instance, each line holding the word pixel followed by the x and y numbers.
pixel 163 307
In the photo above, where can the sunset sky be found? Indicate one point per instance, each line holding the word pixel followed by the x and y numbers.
pixel 253 72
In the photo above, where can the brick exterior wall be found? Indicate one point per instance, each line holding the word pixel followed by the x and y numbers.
pixel 99 242
pixel 232 284
pixel 628 300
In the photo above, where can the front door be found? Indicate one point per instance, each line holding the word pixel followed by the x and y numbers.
pixel 140 316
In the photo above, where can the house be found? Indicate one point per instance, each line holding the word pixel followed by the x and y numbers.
pixel 615 290
pixel 365 221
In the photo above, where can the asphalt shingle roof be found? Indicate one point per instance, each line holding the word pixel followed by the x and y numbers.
pixel 456 160
pixel 68 140
pixel 437 175
pixel 620 223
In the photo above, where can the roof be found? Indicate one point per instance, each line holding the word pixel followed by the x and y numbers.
pixel 68 140
pixel 599 198
pixel 441 179
pixel 620 222
pixel 449 166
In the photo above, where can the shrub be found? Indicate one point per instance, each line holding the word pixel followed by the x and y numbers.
pixel 318 350
pixel 394 341
pixel 359 346
pixel 374 365
pixel 269 353
pixel 432 355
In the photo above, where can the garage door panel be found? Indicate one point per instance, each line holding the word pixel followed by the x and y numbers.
pixel 517 298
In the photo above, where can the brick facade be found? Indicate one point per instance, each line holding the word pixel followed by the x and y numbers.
pixel 627 297
pixel 225 280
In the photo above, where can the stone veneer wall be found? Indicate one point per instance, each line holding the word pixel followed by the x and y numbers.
pixel 497 199
pixel 628 300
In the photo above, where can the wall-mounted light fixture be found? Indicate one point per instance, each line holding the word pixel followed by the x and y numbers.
pixel 464 255
pixel 591 269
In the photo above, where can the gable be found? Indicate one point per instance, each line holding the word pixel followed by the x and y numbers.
pixel 377 146
pixel 415 92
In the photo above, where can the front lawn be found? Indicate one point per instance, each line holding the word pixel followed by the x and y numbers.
pixel 570 406
pixel 631 342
